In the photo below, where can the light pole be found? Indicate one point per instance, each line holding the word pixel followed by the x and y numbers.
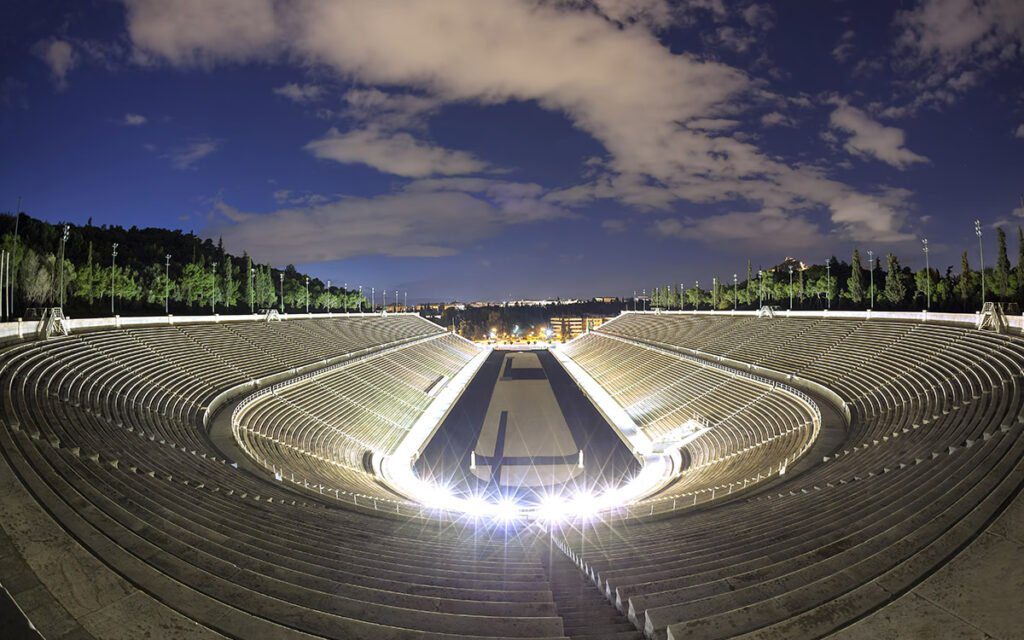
pixel 714 293
pixel 928 275
pixel 328 297
pixel 791 287
pixel 760 288
pixel 373 299
pixel 643 302
pixel 828 283
pixel 113 268
pixel 360 301
pixel 871 270
pixel 63 241
pixel 735 292
pixel 696 295
pixel 405 301
pixel 344 287
pixel 213 297
pixel 167 284
pixel 981 254
pixel 634 300
pixel 307 295
pixel 281 278
pixel 252 299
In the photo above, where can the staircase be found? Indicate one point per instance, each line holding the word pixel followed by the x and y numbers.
pixel 585 612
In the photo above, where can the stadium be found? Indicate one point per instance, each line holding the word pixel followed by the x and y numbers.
pixel 511 320
pixel 786 476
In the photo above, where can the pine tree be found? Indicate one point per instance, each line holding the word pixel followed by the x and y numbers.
pixel 855 284
pixel 895 284
pixel 1002 271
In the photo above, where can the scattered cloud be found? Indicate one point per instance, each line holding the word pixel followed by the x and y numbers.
pixel 186 157
pixel 1019 131
pixel 133 120
pixel 300 92
pixel 60 56
pixel 767 229
pixel 759 16
pixel 396 153
pixel 614 225
pixel 868 138
pixel 844 48
pixel 776 119
pixel 562 56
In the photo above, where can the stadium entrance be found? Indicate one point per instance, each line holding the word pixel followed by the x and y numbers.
pixel 522 429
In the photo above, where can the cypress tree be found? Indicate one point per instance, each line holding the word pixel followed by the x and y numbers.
pixel 895 286
pixel 1002 272
pixel 855 283
pixel 965 281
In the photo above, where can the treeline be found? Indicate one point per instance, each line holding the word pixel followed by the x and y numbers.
pixel 198 277
pixel 856 285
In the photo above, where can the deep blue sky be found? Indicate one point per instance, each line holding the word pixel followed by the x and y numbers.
pixel 530 149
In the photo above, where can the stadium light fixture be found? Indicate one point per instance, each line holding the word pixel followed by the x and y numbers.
pixel 828 282
pixel 113 270
pixel 328 297
pixel 735 292
pixel 928 276
pixel 63 242
pixel 871 271
pixel 213 295
pixel 790 287
pixel 981 255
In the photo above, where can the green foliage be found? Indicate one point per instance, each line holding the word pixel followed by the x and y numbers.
pixel 1002 284
pixel 855 283
pixel 895 282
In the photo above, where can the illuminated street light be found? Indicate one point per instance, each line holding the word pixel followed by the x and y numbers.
pixel 167 283
pixel 735 292
pixel 252 295
pixel 307 294
pixel 213 298
pixel 282 291
pixel 828 282
pixel 790 287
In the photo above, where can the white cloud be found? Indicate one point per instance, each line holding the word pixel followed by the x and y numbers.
pixel 555 55
pixel 614 225
pixel 776 119
pixel 300 92
pixel 396 153
pixel 868 138
pixel 844 48
pixel 759 16
pixel 60 57
pixel 430 219
pixel 186 157
pixel 1019 131
pixel 517 201
pixel 133 120
pixel 940 40
pixel 768 229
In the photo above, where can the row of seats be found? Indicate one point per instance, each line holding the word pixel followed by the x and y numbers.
pixel 757 427
pixel 103 431
pixel 320 428
pixel 934 450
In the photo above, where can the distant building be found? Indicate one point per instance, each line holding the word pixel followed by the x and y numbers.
pixel 564 328
pixel 606 299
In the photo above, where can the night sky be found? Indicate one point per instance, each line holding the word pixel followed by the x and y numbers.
pixel 476 149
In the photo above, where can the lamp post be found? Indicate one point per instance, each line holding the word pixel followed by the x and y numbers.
pixel 735 292
pixel 252 298
pixel 281 278
pixel 63 241
pixel 714 293
pixel 790 287
pixel 928 275
pixel 307 294
pixel 871 271
pixel 328 297
pixel 373 299
pixel 344 287
pixel 760 288
pixel 213 297
pixel 696 295
pixel 113 268
pixel 828 283
pixel 167 284
pixel 360 301
pixel 405 301
pixel 981 254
